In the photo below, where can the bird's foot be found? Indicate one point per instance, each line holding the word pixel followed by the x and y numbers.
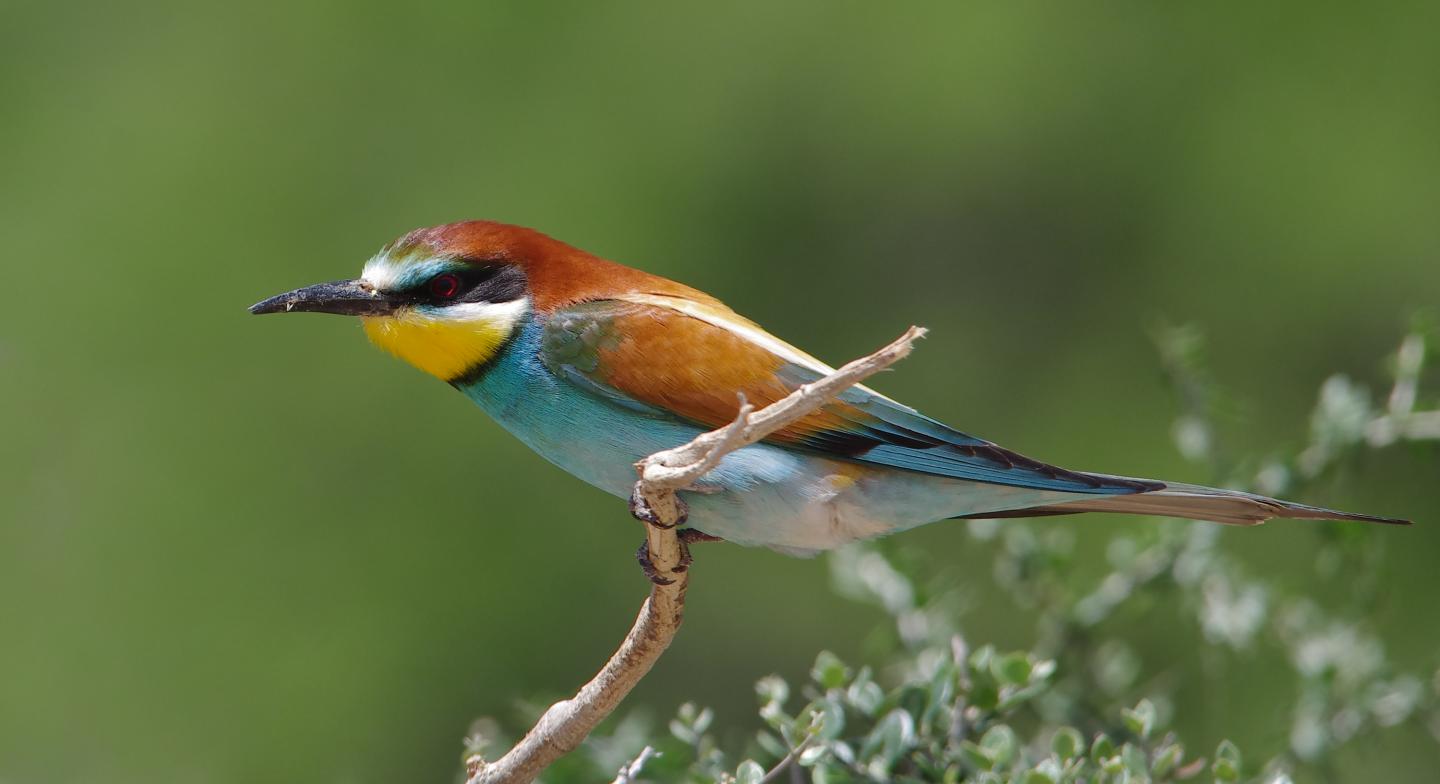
pixel 695 535
pixel 689 536
pixel 642 556
pixel 640 510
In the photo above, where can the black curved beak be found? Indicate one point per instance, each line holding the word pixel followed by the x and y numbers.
pixel 343 297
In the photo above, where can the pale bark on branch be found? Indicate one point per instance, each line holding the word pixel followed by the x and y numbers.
pixel 566 724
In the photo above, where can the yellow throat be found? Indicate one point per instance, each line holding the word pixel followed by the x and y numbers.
pixel 446 345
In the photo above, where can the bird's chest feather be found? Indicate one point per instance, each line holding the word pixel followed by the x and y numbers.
pixel 758 495
pixel 589 436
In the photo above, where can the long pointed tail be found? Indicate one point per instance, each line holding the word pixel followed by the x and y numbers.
pixel 1197 502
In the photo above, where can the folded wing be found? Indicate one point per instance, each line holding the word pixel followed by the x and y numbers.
pixel 674 357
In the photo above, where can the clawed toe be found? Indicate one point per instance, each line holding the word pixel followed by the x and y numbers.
pixel 641 511
pixel 687 537
pixel 642 556
pixel 694 535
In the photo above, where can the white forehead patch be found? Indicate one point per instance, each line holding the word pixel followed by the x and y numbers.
pixel 385 273
pixel 381 272
pixel 391 274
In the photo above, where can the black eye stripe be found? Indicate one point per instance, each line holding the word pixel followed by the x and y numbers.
pixel 502 284
pixel 477 283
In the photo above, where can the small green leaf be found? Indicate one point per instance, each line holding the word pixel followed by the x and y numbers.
pixel 891 737
pixel 1042 670
pixel 865 695
pixel 975 756
pixel 1102 748
pixel 1000 743
pixel 980 659
pixel 812 755
pixel 830 720
pixel 984 696
pixel 775 717
pixel 771 744
pixel 683 732
pixel 829 671
pixel 1166 759
pixel 1134 758
pixel 911 698
pixel 1012 669
pixel 749 772
pixel 1018 696
pixel 690 723
pixel 703 720
pixel 772 688
pixel 1140 719
pixel 1067 743
pixel 1227 762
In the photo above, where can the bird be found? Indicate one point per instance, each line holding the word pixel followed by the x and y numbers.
pixel 595 365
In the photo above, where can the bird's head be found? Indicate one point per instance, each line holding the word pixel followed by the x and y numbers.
pixel 444 299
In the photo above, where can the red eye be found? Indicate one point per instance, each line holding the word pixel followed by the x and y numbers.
pixel 445 286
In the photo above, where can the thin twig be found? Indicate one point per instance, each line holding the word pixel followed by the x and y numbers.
pixel 566 723
pixel 629 773
pixel 794 754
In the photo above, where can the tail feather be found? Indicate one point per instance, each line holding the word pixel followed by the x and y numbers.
pixel 1196 502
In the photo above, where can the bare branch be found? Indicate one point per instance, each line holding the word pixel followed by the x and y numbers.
pixel 566 724
pixel 630 772
pixel 780 767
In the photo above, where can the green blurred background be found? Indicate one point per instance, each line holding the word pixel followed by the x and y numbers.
pixel 241 550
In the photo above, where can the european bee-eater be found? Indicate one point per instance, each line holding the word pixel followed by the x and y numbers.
pixel 595 365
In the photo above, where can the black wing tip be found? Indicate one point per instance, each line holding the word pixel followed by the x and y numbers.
pixel 1306 512
pixel 1364 518
pixel 1096 482
pixel 1005 459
